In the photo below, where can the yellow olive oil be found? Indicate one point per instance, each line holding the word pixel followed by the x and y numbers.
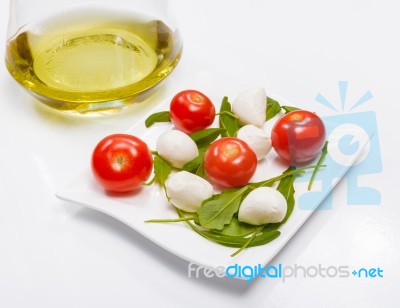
pixel 92 60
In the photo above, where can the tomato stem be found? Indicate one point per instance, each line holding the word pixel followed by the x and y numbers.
pixel 120 160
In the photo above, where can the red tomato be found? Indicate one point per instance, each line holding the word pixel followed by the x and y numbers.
pixel 191 111
pixel 230 162
pixel 121 163
pixel 298 136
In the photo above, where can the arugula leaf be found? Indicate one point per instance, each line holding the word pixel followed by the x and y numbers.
pixel 200 171
pixel 216 212
pixel 207 136
pixel 238 241
pixel 194 165
pixel 324 152
pixel 286 188
pixel 162 169
pixel 248 242
pixel 273 108
pixel 265 236
pixel 236 228
pixel 289 109
pixel 227 122
pixel 170 220
pixel 162 116
pixel 286 173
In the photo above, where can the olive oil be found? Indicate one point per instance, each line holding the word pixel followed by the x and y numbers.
pixel 92 60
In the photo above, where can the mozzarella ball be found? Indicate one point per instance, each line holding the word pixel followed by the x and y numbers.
pixel 257 139
pixel 262 206
pixel 251 107
pixel 177 148
pixel 187 191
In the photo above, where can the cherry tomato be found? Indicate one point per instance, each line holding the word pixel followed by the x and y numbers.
pixel 191 111
pixel 121 163
pixel 230 162
pixel 298 136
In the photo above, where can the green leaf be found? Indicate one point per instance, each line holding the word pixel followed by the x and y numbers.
pixel 236 228
pixel 207 136
pixel 194 165
pixel 287 173
pixel 273 108
pixel 238 241
pixel 262 238
pixel 216 212
pixel 200 171
pixel 289 109
pixel 248 242
pixel 162 169
pixel 162 116
pixel 286 188
pixel 170 220
pixel 324 152
pixel 227 122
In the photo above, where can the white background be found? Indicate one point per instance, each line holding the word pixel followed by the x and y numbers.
pixel 57 254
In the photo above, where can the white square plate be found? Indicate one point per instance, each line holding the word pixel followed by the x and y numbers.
pixel 178 238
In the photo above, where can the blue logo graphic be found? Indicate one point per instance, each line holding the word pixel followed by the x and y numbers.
pixel 353 142
pixel 283 272
pixel 368 272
